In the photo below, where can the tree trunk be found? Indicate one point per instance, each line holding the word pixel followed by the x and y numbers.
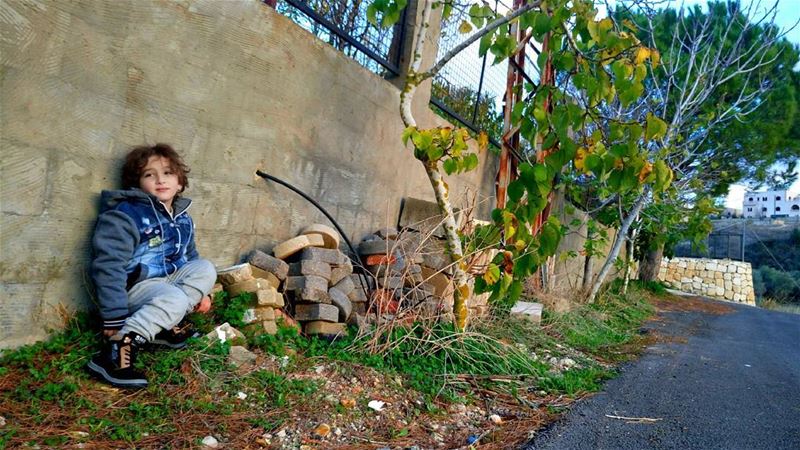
pixel 629 258
pixel 618 240
pixel 651 264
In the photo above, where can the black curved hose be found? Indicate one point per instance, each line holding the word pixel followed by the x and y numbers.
pixel 313 202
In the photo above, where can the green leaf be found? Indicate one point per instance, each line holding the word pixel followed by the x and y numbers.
pixel 656 128
pixel 541 24
pixel 407 133
pixel 540 173
pixel 372 14
pixel 450 166
pixel 516 190
pixel 594 163
pixel 485 44
pixel 470 161
pixel 422 140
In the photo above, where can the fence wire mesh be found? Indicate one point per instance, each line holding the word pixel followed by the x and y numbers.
pixel 471 88
pixel 343 24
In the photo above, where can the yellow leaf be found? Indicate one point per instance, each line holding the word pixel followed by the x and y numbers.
pixel 520 245
pixel 580 159
pixel 642 54
pixel 483 141
pixel 645 172
pixel 445 132
pixel 465 27
pixel 618 163
pixel 655 57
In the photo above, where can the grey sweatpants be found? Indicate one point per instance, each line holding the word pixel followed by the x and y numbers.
pixel 160 303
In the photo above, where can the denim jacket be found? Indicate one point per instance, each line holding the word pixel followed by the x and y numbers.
pixel 136 238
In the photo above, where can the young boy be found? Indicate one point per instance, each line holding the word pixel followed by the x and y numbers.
pixel 146 270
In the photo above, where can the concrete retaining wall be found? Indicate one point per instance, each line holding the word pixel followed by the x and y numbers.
pixel 232 85
pixel 722 279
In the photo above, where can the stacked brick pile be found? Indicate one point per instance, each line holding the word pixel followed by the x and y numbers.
pixel 267 301
pixel 320 283
pixel 411 273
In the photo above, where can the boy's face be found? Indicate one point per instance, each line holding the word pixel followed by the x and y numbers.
pixel 159 179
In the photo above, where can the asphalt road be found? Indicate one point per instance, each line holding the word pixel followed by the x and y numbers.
pixel 735 384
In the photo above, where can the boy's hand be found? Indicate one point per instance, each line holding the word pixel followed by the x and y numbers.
pixel 109 332
pixel 204 306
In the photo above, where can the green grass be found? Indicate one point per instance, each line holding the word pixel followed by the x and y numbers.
pixel 196 384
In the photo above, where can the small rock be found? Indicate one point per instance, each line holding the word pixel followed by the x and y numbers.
pixel 241 395
pixel 459 408
pixel 497 420
pixel 377 405
pixel 2 421
pixel 337 431
pixel 567 362
pixel 322 430
pixel 281 434
pixel 210 442
pixel 240 356
pixel 78 434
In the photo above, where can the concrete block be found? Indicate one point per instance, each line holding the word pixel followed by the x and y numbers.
pixel 296 283
pixel 380 259
pixel 288 248
pixel 391 282
pixel 341 272
pixel 234 274
pixel 269 297
pixel 376 247
pixel 324 329
pixel 309 288
pixel 345 285
pixel 266 276
pixel 316 311
pixel 357 295
pixel 310 267
pixel 251 285
pixel 326 255
pixel 387 233
pixel 270 264
pixel 264 313
pixel 329 236
pixel 339 299
pixel 269 327
pixel 528 310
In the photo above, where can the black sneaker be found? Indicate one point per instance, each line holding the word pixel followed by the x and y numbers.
pixel 177 336
pixel 114 364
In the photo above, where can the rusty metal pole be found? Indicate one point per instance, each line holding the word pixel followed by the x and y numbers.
pixel 507 169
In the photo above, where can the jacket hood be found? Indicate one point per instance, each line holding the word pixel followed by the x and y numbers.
pixel 109 199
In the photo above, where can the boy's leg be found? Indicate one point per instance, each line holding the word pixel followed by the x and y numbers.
pixel 156 305
pixel 196 279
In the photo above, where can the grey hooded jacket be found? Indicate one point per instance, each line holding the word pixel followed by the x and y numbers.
pixel 136 238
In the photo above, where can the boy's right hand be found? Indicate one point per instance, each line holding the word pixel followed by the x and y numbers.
pixel 109 332
pixel 204 306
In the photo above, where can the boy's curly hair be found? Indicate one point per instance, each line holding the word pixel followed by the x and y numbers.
pixel 137 158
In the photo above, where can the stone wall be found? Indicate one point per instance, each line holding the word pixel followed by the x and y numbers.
pixel 722 279
pixel 232 85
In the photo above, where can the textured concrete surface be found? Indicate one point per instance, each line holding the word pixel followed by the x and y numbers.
pixel 734 384
pixel 232 85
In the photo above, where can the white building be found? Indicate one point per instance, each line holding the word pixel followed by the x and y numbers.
pixel 770 204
